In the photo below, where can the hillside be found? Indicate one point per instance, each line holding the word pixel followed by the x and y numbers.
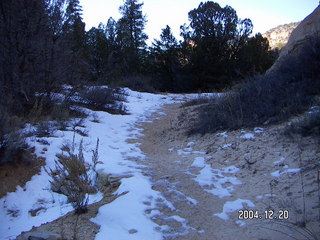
pixel 279 35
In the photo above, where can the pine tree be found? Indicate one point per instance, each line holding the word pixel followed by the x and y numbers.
pixel 163 58
pixel 167 40
pixel 213 39
pixel 73 12
pixel 111 31
pixel 131 36
pixel 75 42
pixel 98 50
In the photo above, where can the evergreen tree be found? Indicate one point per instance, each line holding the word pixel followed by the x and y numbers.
pixel 75 41
pixel 131 36
pixel 213 39
pixel 73 13
pixel 111 31
pixel 167 40
pixel 98 48
pixel 163 59
pixel 255 56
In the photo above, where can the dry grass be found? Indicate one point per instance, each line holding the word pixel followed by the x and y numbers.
pixel 73 177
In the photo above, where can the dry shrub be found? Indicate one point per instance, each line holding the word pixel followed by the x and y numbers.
pixel 104 99
pixel 44 129
pixel 73 177
pixel 12 140
pixel 306 125
pixel 201 99
pixel 287 91
pixel 140 83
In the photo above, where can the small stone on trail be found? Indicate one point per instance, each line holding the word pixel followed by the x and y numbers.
pixel 37 235
pixel 133 231
pixel 251 161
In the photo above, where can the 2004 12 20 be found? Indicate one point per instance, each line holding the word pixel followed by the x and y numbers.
pixel 267 214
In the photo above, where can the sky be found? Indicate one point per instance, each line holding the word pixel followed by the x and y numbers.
pixel 264 14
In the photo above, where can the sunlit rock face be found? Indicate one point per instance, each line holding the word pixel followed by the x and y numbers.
pixel 278 36
pixel 307 30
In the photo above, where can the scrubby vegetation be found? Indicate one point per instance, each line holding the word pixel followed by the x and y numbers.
pixel 12 142
pixel 285 91
pixel 200 99
pixel 74 177
pixel 103 99
pixel 306 125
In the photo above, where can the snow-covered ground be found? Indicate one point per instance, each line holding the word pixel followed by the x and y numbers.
pixel 125 217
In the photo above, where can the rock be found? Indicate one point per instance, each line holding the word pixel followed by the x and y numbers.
pixel 39 235
pixel 105 180
pixel 133 231
pixel 251 161
pixel 308 29
pixel 278 36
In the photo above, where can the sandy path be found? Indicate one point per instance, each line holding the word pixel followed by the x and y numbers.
pixel 170 155
pixel 200 175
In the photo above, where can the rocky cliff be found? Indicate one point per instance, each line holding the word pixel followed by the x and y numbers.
pixel 278 36
pixel 307 30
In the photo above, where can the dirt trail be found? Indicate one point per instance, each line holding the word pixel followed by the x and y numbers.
pixel 171 155
pixel 206 179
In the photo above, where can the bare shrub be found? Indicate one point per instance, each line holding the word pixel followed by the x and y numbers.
pixel 286 91
pixel 60 112
pixel 140 83
pixel 308 124
pixel 12 140
pixel 104 99
pixel 198 101
pixel 44 129
pixel 73 177
pixel 95 118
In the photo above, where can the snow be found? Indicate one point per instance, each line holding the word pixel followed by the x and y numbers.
pixel 127 212
pixel 222 134
pixel 183 152
pixel 170 149
pixel 281 172
pixel 247 136
pixel 226 146
pixel 314 110
pixel 192 200
pixel 232 206
pixel 258 130
pixel 266 195
pixel 35 194
pixel 190 144
pixel 240 223
pixel 188 150
pixel 281 160
pixel 198 162
pixel 214 181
